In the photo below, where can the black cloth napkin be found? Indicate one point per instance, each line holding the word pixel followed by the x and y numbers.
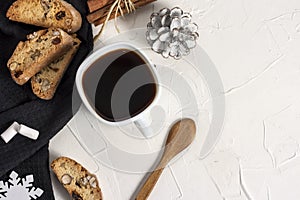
pixel 36 166
pixel 18 103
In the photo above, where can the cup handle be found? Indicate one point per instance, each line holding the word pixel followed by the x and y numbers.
pixel 143 124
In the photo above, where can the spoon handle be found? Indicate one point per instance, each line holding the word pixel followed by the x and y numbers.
pixel 149 184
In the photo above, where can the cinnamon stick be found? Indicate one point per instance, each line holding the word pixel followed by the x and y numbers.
pixel 97 4
pixel 100 15
pixel 104 11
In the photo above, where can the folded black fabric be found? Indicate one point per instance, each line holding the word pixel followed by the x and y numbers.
pixel 36 167
pixel 18 103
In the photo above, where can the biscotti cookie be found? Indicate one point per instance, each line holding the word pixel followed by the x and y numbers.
pixel 80 184
pixel 41 48
pixel 46 13
pixel 45 82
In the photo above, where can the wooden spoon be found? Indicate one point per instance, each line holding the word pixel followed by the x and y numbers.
pixel 180 137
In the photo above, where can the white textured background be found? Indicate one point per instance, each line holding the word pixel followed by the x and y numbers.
pixel 255 45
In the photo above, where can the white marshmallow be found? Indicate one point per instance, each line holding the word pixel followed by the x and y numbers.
pixel 10 132
pixel 28 132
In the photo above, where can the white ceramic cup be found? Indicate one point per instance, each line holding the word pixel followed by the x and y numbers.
pixel 143 119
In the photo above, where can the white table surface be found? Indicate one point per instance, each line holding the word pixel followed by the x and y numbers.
pixel 255 45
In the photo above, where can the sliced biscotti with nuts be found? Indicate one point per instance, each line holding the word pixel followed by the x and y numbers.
pixel 46 13
pixel 41 48
pixel 80 184
pixel 45 82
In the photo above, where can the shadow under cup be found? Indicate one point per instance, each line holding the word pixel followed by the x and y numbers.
pixel 120 84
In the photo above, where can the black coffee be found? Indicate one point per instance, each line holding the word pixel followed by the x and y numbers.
pixel 126 86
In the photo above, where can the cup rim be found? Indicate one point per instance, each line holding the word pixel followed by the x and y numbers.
pixel 86 64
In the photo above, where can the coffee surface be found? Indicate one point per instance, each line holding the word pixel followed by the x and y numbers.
pixel 126 87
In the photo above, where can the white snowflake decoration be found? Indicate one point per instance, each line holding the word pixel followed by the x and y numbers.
pixel 19 189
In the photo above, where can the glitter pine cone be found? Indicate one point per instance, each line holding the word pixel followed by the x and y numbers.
pixel 171 32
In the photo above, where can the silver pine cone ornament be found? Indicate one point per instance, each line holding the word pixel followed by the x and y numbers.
pixel 171 32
